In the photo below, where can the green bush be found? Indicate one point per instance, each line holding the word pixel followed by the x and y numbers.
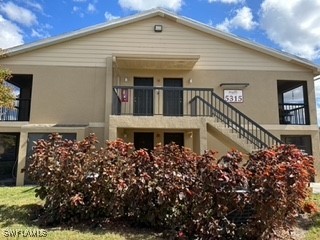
pixel 173 189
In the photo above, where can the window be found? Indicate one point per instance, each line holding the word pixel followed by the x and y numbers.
pixel 303 142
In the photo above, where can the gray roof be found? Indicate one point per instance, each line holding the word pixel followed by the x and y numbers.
pixel 167 14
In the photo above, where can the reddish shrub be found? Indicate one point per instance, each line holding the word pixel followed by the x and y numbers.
pixel 279 185
pixel 172 188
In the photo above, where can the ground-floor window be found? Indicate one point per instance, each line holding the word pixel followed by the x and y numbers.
pixel 144 140
pixel 176 137
pixel 147 139
pixel 301 141
pixel 9 147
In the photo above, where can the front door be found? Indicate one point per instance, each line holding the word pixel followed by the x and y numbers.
pixel 177 138
pixel 172 97
pixel 143 96
pixel 144 140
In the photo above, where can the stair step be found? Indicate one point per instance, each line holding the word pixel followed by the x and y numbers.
pixel 230 133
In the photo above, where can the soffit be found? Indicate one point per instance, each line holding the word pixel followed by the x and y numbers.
pixel 169 62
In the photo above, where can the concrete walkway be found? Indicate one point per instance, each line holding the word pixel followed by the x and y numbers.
pixel 315 187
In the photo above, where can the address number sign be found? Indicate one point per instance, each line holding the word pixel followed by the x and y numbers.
pixel 233 96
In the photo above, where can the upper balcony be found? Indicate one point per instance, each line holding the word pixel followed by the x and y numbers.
pixel 166 101
pixel 293 102
pixel 20 112
pixel 21 85
pixel 294 114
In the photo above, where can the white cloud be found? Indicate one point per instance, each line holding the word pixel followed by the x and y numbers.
pixel 41 31
pixel 18 14
pixel 141 5
pixel 227 1
pixel 37 34
pixel 77 10
pixel 11 34
pixel 34 5
pixel 91 8
pixel 110 17
pixel 242 19
pixel 294 25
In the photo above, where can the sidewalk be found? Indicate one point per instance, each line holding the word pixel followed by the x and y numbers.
pixel 315 187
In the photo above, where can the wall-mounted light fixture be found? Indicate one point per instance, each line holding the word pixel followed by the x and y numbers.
pixel 158 28
pixel 190 80
pixel 190 134
pixel 126 79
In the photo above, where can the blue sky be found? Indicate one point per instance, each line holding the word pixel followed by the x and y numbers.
pixel 292 26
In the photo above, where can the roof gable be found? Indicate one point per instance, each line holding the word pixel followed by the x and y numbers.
pixel 170 16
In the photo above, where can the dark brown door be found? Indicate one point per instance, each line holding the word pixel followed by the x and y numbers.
pixel 143 96
pixel 172 97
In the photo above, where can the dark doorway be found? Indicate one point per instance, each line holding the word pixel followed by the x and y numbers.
pixel 143 96
pixel 9 147
pixel 178 138
pixel 172 97
pixel 144 140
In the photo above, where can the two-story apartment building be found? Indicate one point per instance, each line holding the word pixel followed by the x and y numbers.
pixel 157 77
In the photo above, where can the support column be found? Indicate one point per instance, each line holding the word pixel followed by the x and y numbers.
pixel 23 142
pixel 203 136
pixel 108 100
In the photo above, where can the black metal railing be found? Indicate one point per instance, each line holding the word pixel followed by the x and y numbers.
pixel 20 112
pixel 233 119
pixel 174 101
pixel 292 113
pixel 166 101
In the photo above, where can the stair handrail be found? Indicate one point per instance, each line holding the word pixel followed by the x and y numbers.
pixel 236 125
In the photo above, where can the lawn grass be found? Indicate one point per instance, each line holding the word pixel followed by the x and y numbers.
pixel 17 204
pixel 314 232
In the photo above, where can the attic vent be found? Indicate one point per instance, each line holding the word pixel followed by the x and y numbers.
pixel 158 28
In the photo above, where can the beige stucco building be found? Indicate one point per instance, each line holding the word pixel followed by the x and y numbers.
pixel 157 77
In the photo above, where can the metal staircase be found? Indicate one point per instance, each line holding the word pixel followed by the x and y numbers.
pixel 227 116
